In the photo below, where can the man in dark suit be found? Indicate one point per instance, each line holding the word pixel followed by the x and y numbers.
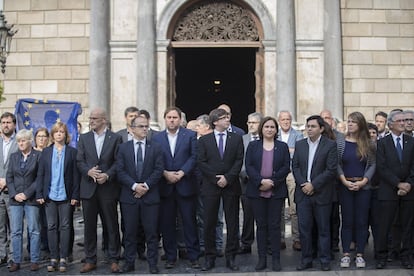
pixel 139 168
pixel 151 132
pixel 231 128
pixel 8 145
pixel 130 113
pixel 314 167
pixel 178 187
pixel 99 191
pixel 395 166
pixel 220 157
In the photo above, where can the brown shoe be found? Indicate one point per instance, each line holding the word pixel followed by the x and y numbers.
pixel 115 268
pixel 14 267
pixel 87 267
pixel 297 246
pixel 34 267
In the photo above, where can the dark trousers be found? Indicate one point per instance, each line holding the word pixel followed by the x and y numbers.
pixel 308 212
pixel 374 215
pixel 247 236
pixel 148 214
pixel 388 213
pixel 267 215
pixel 59 216
pixel 355 213
pixel 108 210
pixel 231 213
pixel 168 219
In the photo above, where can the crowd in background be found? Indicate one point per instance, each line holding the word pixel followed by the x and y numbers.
pixel 342 181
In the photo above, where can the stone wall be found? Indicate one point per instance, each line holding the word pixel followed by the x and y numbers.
pixel 378 55
pixel 50 52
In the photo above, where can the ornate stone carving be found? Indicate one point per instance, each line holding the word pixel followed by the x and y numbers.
pixel 214 21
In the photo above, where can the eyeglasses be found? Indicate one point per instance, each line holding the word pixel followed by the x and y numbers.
pixel 94 118
pixel 399 121
pixel 224 117
pixel 140 126
pixel 253 122
pixel 409 120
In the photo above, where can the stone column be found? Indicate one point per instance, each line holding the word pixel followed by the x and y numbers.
pixel 146 56
pixel 286 57
pixel 99 68
pixel 333 82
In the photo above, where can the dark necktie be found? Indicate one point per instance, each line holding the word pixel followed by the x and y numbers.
pixel 399 148
pixel 255 137
pixel 221 145
pixel 139 159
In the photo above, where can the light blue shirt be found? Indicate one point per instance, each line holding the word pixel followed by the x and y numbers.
pixel 57 186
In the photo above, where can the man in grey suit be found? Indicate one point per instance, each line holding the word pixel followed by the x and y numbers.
pixel 130 114
pixel 99 190
pixel 247 236
pixel 290 136
pixel 8 145
pixel 314 167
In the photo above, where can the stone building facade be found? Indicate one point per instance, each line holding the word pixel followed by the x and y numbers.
pixel 344 55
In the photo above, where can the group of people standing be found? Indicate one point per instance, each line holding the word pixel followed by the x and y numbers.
pixel 162 180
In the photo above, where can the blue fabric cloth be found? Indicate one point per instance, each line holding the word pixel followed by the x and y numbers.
pixel 351 163
pixel 57 185
pixel 17 215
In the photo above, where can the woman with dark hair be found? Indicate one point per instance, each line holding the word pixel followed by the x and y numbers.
pixel 356 157
pixel 267 166
pixel 58 190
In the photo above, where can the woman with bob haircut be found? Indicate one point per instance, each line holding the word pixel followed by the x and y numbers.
pixel 58 190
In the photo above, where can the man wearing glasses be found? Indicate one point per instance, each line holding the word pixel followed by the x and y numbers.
pixel 99 191
pixel 139 169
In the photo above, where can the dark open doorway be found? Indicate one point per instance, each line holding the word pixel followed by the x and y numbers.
pixel 207 77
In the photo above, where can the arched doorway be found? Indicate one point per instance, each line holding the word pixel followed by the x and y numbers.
pixel 216 57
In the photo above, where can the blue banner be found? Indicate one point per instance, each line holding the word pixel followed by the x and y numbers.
pixel 33 114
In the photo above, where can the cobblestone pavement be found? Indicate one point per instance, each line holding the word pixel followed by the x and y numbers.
pixel 247 262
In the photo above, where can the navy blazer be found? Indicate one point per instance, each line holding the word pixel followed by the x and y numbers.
pixel 281 168
pixel 185 158
pixel 70 173
pixel 210 163
pixel 391 170
pixel 152 171
pixel 87 158
pixel 23 181
pixel 323 173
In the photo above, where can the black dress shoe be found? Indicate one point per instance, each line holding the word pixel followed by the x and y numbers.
pixel 154 270
pixel 304 266
pixel 208 265
pixel 406 264
pixel 325 266
pixel 276 266
pixel 127 268
pixel 381 264
pixel 261 265
pixel 231 264
pixel 244 250
pixel 169 264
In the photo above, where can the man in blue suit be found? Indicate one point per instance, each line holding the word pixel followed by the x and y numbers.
pixel 178 187
pixel 314 167
pixel 139 169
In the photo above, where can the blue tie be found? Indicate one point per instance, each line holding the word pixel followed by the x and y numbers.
pixel 139 159
pixel 221 145
pixel 399 148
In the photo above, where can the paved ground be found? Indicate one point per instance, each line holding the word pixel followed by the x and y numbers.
pixel 289 260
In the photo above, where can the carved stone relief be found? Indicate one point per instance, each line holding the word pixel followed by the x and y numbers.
pixel 215 21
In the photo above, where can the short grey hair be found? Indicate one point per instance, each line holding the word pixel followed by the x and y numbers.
pixel 204 118
pixel 392 114
pixel 256 115
pixel 284 111
pixel 24 134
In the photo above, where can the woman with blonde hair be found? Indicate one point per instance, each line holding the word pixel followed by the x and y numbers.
pixel 356 157
pixel 58 190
